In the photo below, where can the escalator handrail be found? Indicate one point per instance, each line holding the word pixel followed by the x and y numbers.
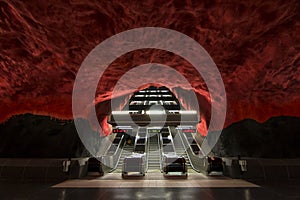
pixel 194 144
pixel 188 151
pixel 147 151
pixel 161 147
pixel 119 144
pixel 198 164
pixel 172 142
pixel 146 147
pixel 115 157
pixel 159 144
pixel 136 139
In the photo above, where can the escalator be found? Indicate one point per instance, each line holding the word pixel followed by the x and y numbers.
pixel 172 163
pixel 180 150
pixel 156 148
pixel 199 162
pixel 154 154
pixel 136 162
pixel 161 151
pixel 127 151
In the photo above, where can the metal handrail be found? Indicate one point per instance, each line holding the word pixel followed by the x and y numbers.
pixel 171 138
pixel 198 164
pixel 159 144
pixel 161 147
pixel 148 151
pixel 113 160
pixel 146 148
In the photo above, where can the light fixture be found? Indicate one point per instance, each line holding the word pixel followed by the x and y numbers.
pixel 155 112
pixel 188 112
pixel 120 112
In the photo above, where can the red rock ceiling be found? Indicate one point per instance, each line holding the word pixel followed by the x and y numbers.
pixel 255 45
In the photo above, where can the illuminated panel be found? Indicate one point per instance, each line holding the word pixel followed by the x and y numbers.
pixel 189 130
pixel 126 129
pixel 116 130
pixel 153 130
pixel 155 112
pixel 170 103
pixel 188 112
pixel 153 95
pixel 120 112
pixel 174 111
pixel 153 103
pixel 136 102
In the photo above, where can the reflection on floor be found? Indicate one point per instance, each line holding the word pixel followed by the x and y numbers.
pixel 114 180
pixel 33 190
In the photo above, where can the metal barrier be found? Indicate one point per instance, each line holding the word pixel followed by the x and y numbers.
pixel 136 163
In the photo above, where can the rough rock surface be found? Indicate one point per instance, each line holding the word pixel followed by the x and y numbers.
pixel 33 136
pixel 275 138
pixel 254 44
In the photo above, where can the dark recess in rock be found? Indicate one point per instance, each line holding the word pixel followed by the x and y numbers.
pixel 278 137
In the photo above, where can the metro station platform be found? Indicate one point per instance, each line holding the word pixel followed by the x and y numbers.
pixel 156 180
pixel 226 189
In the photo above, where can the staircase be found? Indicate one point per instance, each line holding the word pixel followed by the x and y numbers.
pixel 154 154
pixel 127 151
